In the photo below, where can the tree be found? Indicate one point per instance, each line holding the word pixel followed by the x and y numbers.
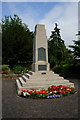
pixel 0 45
pixel 76 48
pixel 57 48
pixel 17 41
pixel 76 55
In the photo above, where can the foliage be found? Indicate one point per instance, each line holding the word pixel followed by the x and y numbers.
pixel 76 49
pixel 57 69
pixel 17 41
pixel 76 54
pixel 56 47
pixel 52 92
pixel 18 69
pixel 25 70
pixel 71 63
pixel 4 69
pixel 66 68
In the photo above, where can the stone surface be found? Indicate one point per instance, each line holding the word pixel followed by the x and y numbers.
pixel 40 49
pixel 40 80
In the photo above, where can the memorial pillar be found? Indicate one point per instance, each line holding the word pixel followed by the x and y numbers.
pixel 40 49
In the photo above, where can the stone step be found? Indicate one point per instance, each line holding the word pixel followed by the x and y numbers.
pixel 27 87
pixel 31 72
pixel 27 75
pixel 18 84
pixel 46 86
pixel 37 80
pixel 22 81
pixel 49 78
pixel 43 74
pixel 19 87
pixel 25 78
pixel 38 87
pixel 45 83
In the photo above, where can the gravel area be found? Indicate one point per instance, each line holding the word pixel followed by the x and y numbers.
pixel 14 106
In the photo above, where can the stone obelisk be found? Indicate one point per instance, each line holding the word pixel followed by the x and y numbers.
pixel 40 49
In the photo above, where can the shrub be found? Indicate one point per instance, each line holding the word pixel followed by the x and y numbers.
pixel 65 68
pixel 68 69
pixel 57 69
pixel 18 69
pixel 77 68
pixel 4 69
pixel 25 70
pixel 77 65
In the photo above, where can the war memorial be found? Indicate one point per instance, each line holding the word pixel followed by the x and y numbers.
pixel 41 77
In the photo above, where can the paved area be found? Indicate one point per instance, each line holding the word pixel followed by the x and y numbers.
pixel 0 96
pixel 14 106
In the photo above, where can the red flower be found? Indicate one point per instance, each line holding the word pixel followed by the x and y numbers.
pixel 33 90
pixel 52 91
pixel 58 91
pixel 53 86
pixel 45 92
pixel 2 72
pixel 24 90
pixel 63 91
pixel 59 86
pixel 37 92
pixel 6 71
pixel 30 92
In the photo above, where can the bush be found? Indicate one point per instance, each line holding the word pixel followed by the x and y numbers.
pixel 77 68
pixel 57 69
pixel 66 68
pixel 18 69
pixel 25 70
pixel 4 69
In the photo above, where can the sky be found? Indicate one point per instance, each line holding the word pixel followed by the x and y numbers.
pixel 65 14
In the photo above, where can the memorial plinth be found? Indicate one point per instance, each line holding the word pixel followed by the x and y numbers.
pixel 40 77
pixel 40 49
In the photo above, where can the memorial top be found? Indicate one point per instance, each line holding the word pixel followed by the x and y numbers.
pixel 40 26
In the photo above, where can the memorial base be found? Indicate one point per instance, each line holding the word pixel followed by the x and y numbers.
pixel 40 66
pixel 40 80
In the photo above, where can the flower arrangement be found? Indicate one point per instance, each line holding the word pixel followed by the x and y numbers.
pixel 52 92
pixel 5 72
pixel 4 69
